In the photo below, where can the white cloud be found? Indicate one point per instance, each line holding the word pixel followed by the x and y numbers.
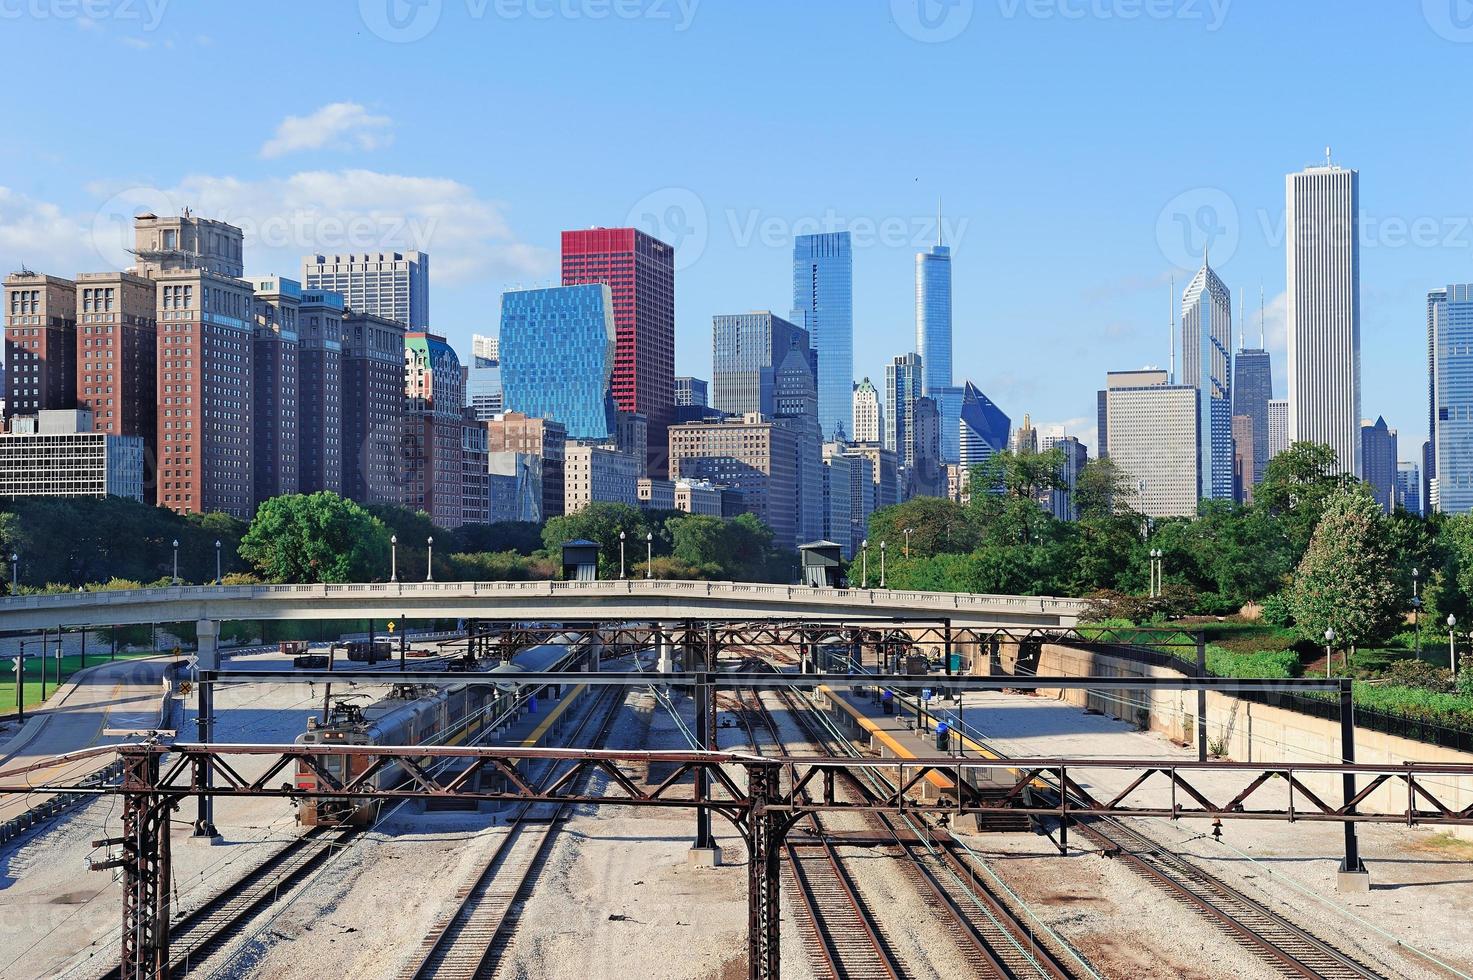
pixel 338 125
pixel 38 235
pixel 357 210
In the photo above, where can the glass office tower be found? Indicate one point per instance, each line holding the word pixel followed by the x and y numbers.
pixel 933 318
pixel 823 304
pixel 557 357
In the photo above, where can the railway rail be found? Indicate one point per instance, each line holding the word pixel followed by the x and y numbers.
pixel 468 941
pixel 995 940
pixel 198 934
pixel 1262 932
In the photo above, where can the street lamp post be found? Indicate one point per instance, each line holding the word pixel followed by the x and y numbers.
pixel 882 564
pixel 649 554
pixel 1452 649
pixel 430 558
pixel 393 558
pixel 1329 657
pixel 176 561
pixel 864 564
pixel 14 570
pixel 621 554
pixel 1416 613
pixel 218 577
pixel 908 532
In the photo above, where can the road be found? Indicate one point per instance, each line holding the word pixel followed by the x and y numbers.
pixel 122 695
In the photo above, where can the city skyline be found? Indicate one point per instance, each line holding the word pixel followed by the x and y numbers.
pixel 298 168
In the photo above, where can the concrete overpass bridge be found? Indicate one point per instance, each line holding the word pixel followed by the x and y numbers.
pixel 626 599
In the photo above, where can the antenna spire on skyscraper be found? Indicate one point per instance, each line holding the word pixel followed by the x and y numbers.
pixel 1171 308
pixel 938 220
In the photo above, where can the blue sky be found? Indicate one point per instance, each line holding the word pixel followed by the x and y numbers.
pixel 1084 150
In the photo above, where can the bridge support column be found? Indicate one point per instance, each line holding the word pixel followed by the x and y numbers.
pixel 665 648
pixel 764 849
pixel 1353 876
pixel 704 852
pixel 147 882
pixel 207 631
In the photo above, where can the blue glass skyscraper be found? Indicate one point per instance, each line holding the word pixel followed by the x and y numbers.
pixel 933 316
pixel 557 357
pixel 985 428
pixel 823 304
pixel 746 351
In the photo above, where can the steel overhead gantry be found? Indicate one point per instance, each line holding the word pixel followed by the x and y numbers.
pixel 706 682
pixel 778 792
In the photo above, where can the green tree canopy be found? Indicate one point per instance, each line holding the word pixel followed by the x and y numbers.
pixel 1346 580
pixel 317 537
pixel 1296 486
pixel 940 527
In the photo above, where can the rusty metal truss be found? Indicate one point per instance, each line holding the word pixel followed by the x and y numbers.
pixel 763 797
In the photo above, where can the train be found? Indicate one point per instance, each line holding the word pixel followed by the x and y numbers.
pixel 417 714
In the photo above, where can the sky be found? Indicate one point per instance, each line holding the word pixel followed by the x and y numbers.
pixel 1085 152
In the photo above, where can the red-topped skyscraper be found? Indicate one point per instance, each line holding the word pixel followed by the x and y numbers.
pixel 640 272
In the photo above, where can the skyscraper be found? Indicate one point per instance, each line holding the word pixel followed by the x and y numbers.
pixel 393 285
pixel 1154 440
pixel 434 443
pixel 1323 249
pixel 754 455
pixel 1253 387
pixel 746 350
pixel 691 392
pixel 1060 502
pixel 320 400
pixel 179 242
pixel 1207 365
pixel 558 357
pixel 277 378
pixel 1378 461
pixel 902 388
pixel 117 359
pixel 1025 438
pixel 485 351
pixel 823 304
pixel 869 413
pixel 984 427
pixel 933 315
pixel 40 343
pixel 640 273
pixel 795 397
pixel 1278 426
pixel 372 388
pixel 927 472
pixel 1409 488
pixel 1450 398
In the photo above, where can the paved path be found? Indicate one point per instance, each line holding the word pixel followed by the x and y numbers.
pixel 120 695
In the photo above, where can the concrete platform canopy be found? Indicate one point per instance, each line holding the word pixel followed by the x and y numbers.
pixel 629 599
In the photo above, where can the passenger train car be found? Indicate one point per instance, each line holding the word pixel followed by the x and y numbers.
pixel 450 714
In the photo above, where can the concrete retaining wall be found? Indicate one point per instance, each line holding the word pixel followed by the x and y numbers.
pixel 1245 731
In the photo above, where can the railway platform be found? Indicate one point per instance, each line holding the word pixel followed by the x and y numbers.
pixel 908 730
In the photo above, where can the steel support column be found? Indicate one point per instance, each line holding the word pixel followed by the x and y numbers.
pixel 1347 751
pixel 1201 699
pixel 207 661
pixel 705 695
pixel 764 850
pixel 145 864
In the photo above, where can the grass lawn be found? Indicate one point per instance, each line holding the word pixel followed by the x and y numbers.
pixel 70 664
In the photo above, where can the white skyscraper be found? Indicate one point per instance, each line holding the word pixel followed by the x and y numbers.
pixel 1278 426
pixel 1207 365
pixel 395 285
pixel 1323 228
pixel 1152 428
pixel 869 416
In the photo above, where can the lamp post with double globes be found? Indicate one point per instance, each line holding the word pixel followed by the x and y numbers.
pixel 907 532
pixel 1452 648
pixel 1329 656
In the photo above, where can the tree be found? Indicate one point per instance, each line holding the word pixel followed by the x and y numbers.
pixel 939 526
pixel 602 523
pixel 317 537
pixel 1296 486
pixel 1345 581
pixel 1009 491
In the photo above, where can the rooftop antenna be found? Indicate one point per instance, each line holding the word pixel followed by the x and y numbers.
pixel 1328 162
pixel 1242 330
pixel 1260 317
pixel 1171 309
pixel 938 220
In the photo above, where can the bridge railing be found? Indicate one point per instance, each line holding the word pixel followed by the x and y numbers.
pixel 653 587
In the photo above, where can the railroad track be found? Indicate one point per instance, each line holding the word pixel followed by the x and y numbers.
pixel 1254 927
pixel 469 940
pixel 841 933
pixel 995 939
pixel 197 934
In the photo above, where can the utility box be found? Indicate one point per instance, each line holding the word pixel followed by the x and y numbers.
pixel 580 561
pixel 822 564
